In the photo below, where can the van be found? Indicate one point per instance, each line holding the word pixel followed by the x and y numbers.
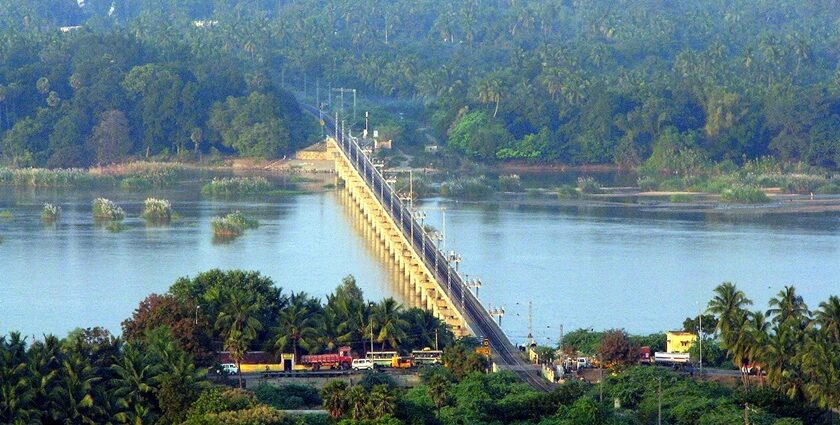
pixel 582 363
pixel 230 368
pixel 363 364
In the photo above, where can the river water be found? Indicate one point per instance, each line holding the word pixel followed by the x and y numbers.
pixel 578 266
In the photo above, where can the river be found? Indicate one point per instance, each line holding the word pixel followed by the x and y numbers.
pixel 597 267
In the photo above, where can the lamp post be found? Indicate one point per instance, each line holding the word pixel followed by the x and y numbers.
pixel 196 314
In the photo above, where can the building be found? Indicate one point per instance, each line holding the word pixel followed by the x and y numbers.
pixel 679 342
pixel 260 361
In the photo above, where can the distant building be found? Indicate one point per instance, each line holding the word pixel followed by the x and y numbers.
pixel 431 148
pixel 68 29
pixel 679 342
pixel 205 23
pixel 381 144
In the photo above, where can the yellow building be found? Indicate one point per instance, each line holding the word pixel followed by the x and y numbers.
pixel 679 342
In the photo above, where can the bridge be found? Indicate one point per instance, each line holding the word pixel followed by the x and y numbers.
pixel 439 286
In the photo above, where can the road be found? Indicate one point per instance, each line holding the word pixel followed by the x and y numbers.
pixel 506 356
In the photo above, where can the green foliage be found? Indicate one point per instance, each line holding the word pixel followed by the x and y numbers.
pixel 236 186
pixel 584 341
pixel 510 183
pixel 157 211
pixel 478 135
pixel 106 210
pixel 50 213
pixel 232 225
pixel 6 214
pixel 744 195
pixel 467 188
pixel 568 191
pixel 42 178
pixel 292 396
pixel 588 185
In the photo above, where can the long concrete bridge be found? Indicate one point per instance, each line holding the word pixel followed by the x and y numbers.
pixel 440 288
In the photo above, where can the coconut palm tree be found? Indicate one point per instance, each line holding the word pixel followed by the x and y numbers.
pixel 827 317
pixel 438 388
pixel 74 396
pixel 16 395
pixel 387 315
pixel 788 308
pixel 821 366
pixel 238 322
pixel 728 304
pixel 334 400
pixel 136 377
pixel 298 324
pixel 382 401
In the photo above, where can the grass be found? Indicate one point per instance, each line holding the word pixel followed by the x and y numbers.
pixel 829 189
pixel 232 225
pixel 104 209
pixel 115 227
pixel 567 191
pixel 681 198
pixel 743 194
pixel 236 186
pixel 44 178
pixel 302 179
pixel 6 214
pixel 588 185
pixel 467 188
pixel 50 213
pixel 157 211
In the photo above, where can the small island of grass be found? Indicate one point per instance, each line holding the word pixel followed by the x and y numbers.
pixel 157 211
pixel 50 213
pixel 105 210
pixel 232 225
pixel 236 186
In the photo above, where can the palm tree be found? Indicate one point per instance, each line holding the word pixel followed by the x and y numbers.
pixel 357 403
pixel 788 308
pixel 74 397
pixel 490 91
pixel 297 325
pixel 334 399
pixel 821 365
pixel 388 317
pixel 136 377
pixel 438 388
pixel 760 335
pixel 827 317
pixel 238 321
pixel 382 401
pixel 728 304
pixel 15 394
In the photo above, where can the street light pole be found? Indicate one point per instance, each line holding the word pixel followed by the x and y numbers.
pixel 196 314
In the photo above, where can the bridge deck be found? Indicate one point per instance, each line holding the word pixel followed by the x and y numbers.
pixel 506 356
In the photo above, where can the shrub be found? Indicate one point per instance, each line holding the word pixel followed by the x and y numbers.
pixel 50 212
pixel 104 209
pixel 803 183
pixel 157 210
pixel 233 186
pixel 6 214
pixel 829 189
pixel 567 191
pixel 510 183
pixel 286 397
pixel 467 188
pixel 681 198
pixel 44 178
pixel 220 399
pixel 115 227
pixel 588 185
pixel 744 195
pixel 232 225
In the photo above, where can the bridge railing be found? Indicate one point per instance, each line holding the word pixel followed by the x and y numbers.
pixel 450 281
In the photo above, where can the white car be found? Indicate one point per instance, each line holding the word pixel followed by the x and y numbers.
pixel 230 368
pixel 363 364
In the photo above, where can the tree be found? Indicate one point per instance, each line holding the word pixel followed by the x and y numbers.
pixel 728 304
pixel 439 387
pixel 827 317
pixel 238 321
pixel 617 349
pixel 110 141
pixel 335 401
pixel 788 308
pixel 298 325
pixel 383 401
pixel 387 315
pixel 710 323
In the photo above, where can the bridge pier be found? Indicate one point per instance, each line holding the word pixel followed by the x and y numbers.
pixel 416 281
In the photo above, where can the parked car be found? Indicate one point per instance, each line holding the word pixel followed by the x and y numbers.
pixel 229 368
pixel 363 364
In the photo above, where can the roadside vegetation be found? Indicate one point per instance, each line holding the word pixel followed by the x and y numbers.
pixel 232 225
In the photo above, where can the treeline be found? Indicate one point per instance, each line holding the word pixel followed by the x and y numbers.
pixel 578 82
pixel 92 98
pixel 241 311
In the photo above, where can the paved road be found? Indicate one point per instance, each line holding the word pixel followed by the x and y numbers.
pixel 505 354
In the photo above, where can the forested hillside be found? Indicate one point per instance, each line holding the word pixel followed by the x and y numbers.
pixel 575 81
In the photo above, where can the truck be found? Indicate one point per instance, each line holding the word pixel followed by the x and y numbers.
pixel 645 356
pixel 402 362
pixel 675 360
pixel 341 360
